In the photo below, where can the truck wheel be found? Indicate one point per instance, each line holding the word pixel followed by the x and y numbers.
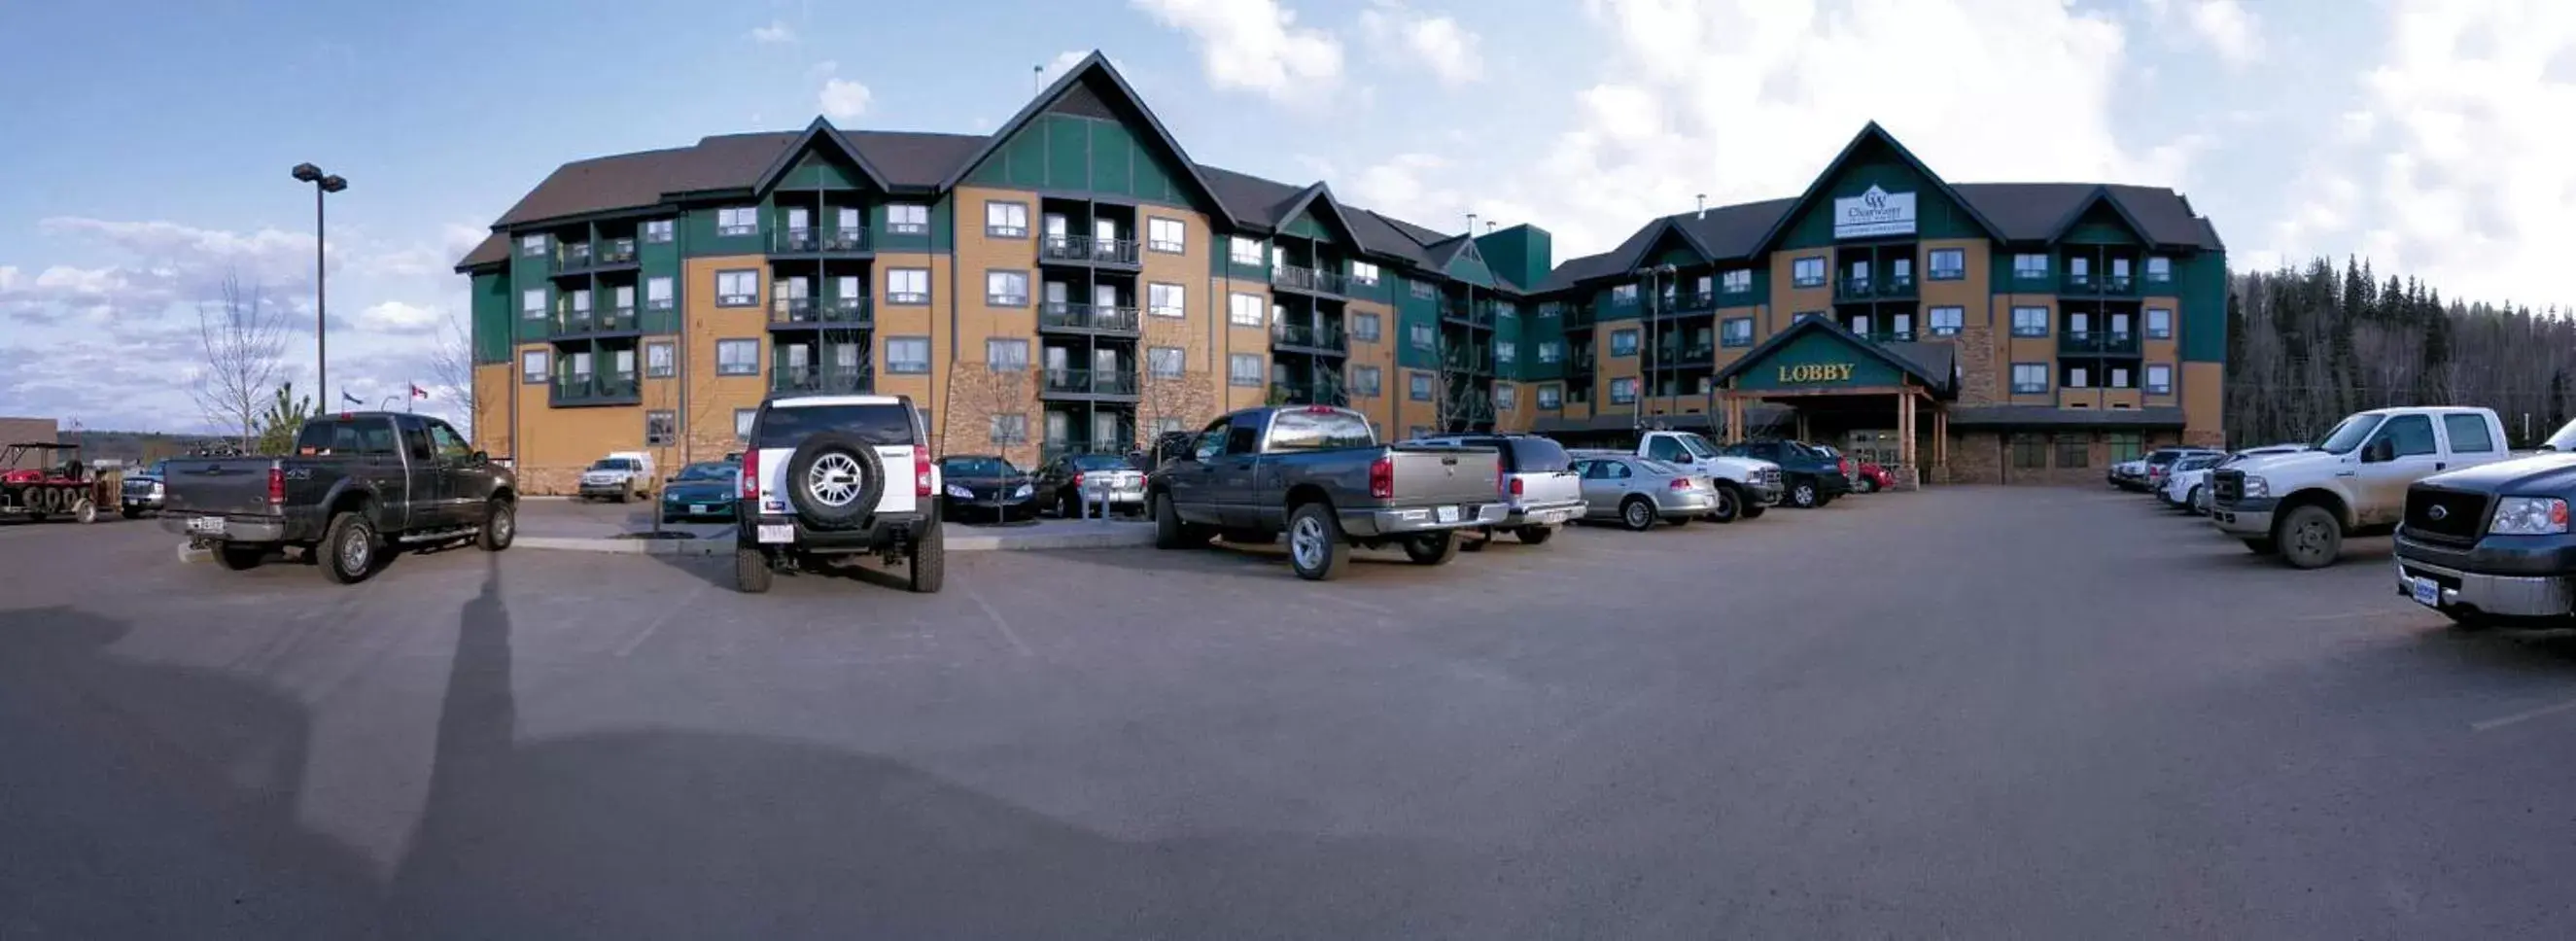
pixel 1638 514
pixel 239 558
pixel 2191 502
pixel 1536 535
pixel 1433 548
pixel 929 562
pixel 751 572
pixel 1754 510
pixel 348 549
pixel 2309 537
pixel 2263 546
pixel 1730 504
pixel 1866 485
pixel 1802 494
pixel 1169 531
pixel 130 512
pixel 83 511
pixel 500 525
pixel 1315 545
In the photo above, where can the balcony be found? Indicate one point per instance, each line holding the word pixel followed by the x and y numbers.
pixel 571 324
pixel 2119 285
pixel 1310 280
pixel 1471 363
pixel 587 389
pixel 1048 452
pixel 1857 289
pixel 1473 315
pixel 1897 287
pixel 2078 282
pixel 1309 393
pixel 841 312
pixel 2030 280
pixel 1102 319
pixel 1088 250
pixel 844 379
pixel 1578 316
pixel 813 241
pixel 1087 384
pixel 1887 336
pixel 1685 354
pixel 1309 338
pixel 2097 343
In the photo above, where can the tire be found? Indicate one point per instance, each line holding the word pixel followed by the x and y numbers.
pixel 1316 549
pixel 929 562
pixel 1803 494
pixel 2263 546
pixel 84 511
pixel 1678 520
pixel 348 549
pixel 841 503
pixel 2309 537
pixel 1066 507
pixel 1637 513
pixel 1730 504
pixel 1535 535
pixel 1169 531
pixel 1866 485
pixel 2191 501
pixel 500 525
pixel 751 572
pixel 130 512
pixel 239 558
pixel 1433 548
pixel 1755 510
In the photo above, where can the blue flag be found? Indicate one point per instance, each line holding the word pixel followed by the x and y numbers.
pixel 351 399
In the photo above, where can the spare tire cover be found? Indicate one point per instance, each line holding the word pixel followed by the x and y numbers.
pixel 834 480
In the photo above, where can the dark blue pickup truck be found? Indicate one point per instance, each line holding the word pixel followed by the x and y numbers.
pixel 2490 544
pixel 355 485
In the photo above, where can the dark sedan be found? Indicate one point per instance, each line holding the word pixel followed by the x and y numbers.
pixel 701 492
pixel 985 487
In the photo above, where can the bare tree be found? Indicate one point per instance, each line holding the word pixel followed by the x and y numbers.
pixel 451 369
pixel 980 398
pixel 1456 403
pixel 1170 393
pixel 242 339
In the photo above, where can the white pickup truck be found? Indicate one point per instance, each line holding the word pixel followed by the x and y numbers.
pixel 2351 482
pixel 1745 486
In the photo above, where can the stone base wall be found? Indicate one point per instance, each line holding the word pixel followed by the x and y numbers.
pixel 1985 457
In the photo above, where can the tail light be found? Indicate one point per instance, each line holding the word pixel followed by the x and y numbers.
pixel 1516 486
pixel 921 472
pixel 276 484
pixel 1846 466
pixel 1681 483
pixel 1382 477
pixel 1077 478
pixel 750 488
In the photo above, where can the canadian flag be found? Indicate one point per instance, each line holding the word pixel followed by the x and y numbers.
pixel 417 392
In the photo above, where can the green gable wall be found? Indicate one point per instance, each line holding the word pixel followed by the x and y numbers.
pixel 1076 154
pixel 817 170
pixel 527 272
pixel 1817 348
pixel 2101 225
pixel 2202 281
pixel 490 297
pixel 1469 267
pixel 1875 164
pixel 1522 254
pixel 659 260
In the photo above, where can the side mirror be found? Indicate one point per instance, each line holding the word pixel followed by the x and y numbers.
pixel 481 458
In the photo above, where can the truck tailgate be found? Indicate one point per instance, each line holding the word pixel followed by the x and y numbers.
pixel 223 486
pixel 1544 488
pixel 1427 475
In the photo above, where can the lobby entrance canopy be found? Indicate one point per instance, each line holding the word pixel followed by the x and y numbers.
pixel 1835 381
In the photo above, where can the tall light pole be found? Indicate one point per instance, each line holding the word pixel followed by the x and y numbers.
pixel 322 183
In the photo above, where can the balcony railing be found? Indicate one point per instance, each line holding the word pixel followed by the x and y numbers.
pixel 617 252
pixel 2119 284
pixel 570 322
pixel 2078 282
pixel 1578 315
pixel 1048 452
pixel 1310 279
pixel 2028 277
pixel 1087 382
pixel 1091 318
pixel 1087 249
pixel 802 378
pixel 1474 314
pixel 1887 336
pixel 1860 288
pixel 845 240
pixel 831 311
pixel 586 388
pixel 812 239
pixel 575 257
pixel 1475 364
pixel 1897 286
pixel 1309 393
pixel 1309 336
pixel 2095 341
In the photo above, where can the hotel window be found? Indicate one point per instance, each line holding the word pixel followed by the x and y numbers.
pixel 1506 398
pixel 2030 266
pixel 1421 290
pixel 1243 369
pixel 1245 251
pixel 737 357
pixel 657 230
pixel 532 366
pixel 2119 378
pixel 1623 295
pixel 1166 300
pixel 1808 272
pixel 2029 451
pixel 2159 380
pixel 1550 351
pixel 532 303
pixel 1418 385
pixel 2030 322
pixel 737 288
pixel 738 220
pixel 2125 446
pixel 1507 353
pixel 1948 264
pixel 658 362
pixel 1364 273
pixel 2078 377
pixel 2029 378
pixel 1166 235
pixel 1423 337
pixel 907 286
pixel 1550 398
pixel 1738 281
pixel 659 430
pixel 1006 288
pixel 1623 342
pixel 1245 310
pixel 1623 390
pixel 657 293
pixel 1366 328
pixel 1010 429
pixel 1946 321
pixel 533 246
pixel 1006 355
pixel 1367 381
pixel 2159 323
pixel 2072 450
pixel 907 219
pixel 2159 269
pixel 1736 331
pixel 1165 362
pixel 908 354
pixel 1006 220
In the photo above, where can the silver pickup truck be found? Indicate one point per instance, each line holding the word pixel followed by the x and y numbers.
pixel 1318 473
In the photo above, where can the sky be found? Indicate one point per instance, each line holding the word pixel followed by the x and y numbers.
pixel 151 141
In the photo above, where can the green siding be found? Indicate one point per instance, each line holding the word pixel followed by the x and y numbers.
pixel 659 260
pixel 1522 254
pixel 698 231
pixel 2101 225
pixel 1603 311
pixel 1305 225
pixel 1411 310
pixel 2202 281
pixel 1470 267
pixel 1221 263
pixel 1541 323
pixel 491 302
pixel 1876 164
pixel 817 170
pixel 1113 156
pixel 1075 154
pixel 527 272
pixel 1816 348
pixel 1511 329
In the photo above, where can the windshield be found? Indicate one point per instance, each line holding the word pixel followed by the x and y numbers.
pixel 1699 446
pixel 1094 462
pixel 707 472
pixel 2348 435
pixel 614 463
pixel 2564 440
pixel 977 467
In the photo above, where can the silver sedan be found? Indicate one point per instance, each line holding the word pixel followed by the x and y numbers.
pixel 1637 491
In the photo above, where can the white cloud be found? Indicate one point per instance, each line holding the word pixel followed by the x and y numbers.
pixel 399 317
pixel 1063 62
pixel 2225 26
pixel 1435 43
pixel 776 32
pixel 1257 46
pixel 844 100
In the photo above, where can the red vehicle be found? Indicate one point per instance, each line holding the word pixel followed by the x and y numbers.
pixel 60 486
pixel 1873 478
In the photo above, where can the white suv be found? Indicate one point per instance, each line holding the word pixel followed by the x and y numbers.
pixel 819 480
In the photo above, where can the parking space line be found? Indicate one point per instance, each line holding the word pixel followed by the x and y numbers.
pixel 999 622
pixel 2502 721
pixel 668 612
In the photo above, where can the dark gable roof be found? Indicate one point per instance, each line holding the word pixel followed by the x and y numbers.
pixel 914 159
pixel 628 181
pixel 819 132
pixel 494 249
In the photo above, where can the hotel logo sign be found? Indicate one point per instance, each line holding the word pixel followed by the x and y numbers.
pixel 1874 213
pixel 1815 372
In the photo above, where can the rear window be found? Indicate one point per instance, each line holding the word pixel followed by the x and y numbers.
pixel 1534 456
pixel 1316 429
pixel 616 464
pixel 888 425
pixel 345 438
pixel 977 467
pixel 1093 462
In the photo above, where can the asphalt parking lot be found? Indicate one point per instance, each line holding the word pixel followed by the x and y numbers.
pixel 1958 713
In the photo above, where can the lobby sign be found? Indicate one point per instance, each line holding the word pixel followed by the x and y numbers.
pixel 1815 372
pixel 1874 213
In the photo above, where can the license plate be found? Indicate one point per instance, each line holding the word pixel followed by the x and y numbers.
pixel 1447 514
pixel 2427 592
pixel 777 532
pixel 206 524
pixel 697 509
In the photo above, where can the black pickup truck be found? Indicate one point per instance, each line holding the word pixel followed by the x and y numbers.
pixel 2490 544
pixel 356 484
